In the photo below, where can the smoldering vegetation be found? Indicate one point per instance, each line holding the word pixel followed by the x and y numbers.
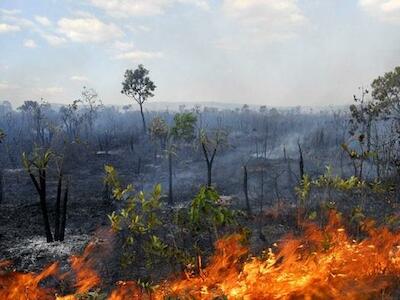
pixel 265 142
pixel 275 167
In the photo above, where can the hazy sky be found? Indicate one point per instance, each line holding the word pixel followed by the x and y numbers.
pixel 272 52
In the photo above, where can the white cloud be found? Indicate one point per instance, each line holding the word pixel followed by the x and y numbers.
pixel 10 12
pixel 5 28
pixel 53 39
pixel 144 28
pixel 3 86
pixel 6 86
pixel 30 43
pixel 79 78
pixel 203 4
pixel 44 21
pixel 384 10
pixel 274 19
pixel 138 28
pixel 123 46
pixel 126 8
pixel 139 55
pixel 88 29
pixel 13 17
pixel 83 27
pixel 49 91
pixel 126 51
pixel 4 66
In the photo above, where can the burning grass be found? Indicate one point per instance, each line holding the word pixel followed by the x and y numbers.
pixel 322 263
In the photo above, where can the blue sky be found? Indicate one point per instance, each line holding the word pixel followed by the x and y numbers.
pixel 271 52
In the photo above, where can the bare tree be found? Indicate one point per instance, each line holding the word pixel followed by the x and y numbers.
pixel 210 146
pixel 301 161
pixel 71 119
pixel 92 104
pixel 40 161
pixel 246 189
pixel 171 152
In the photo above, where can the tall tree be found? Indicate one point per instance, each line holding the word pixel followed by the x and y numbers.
pixel 138 86
pixel 71 119
pixel 91 105
pixel 159 131
pixel 184 127
pixel 363 113
pixel 384 105
pixel 36 112
pixel 386 93
pixel 386 90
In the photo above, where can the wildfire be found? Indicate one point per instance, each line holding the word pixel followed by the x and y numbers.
pixel 321 264
pixel 27 286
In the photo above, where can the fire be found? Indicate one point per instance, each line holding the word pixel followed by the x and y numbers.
pixel 321 264
pixel 27 286
pixel 86 277
pixel 18 286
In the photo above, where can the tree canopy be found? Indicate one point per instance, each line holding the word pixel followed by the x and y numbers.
pixel 184 126
pixel 386 90
pixel 138 85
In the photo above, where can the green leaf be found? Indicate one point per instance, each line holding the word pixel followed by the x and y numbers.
pixel 312 216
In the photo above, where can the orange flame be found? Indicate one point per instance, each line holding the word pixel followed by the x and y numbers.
pixel 127 290
pixel 26 286
pixel 321 264
pixel 86 278
pixel 19 286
